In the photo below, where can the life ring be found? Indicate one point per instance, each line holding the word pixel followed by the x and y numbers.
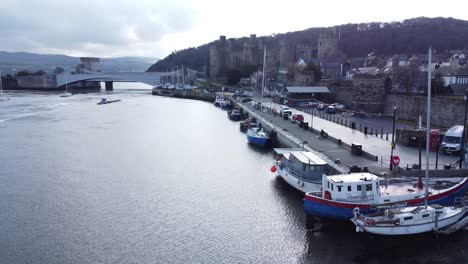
pixel 356 211
pixel 328 195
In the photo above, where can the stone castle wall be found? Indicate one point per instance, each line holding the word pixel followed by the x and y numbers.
pixel 232 53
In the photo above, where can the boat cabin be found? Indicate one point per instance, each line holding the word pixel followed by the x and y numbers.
pixel 354 187
pixel 302 164
pixel 413 214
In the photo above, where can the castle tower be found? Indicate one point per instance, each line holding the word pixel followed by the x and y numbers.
pixel 286 54
pixel 250 51
pixel 327 45
pixel 218 57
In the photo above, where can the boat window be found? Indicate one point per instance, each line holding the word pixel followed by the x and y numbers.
pixel 377 185
pixel 339 187
pixel 349 188
pixel 328 185
pixel 332 186
pixel 368 187
pixel 408 218
pixel 304 167
pixel 425 215
pixel 359 187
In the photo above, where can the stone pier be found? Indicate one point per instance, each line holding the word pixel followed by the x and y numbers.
pixel 109 86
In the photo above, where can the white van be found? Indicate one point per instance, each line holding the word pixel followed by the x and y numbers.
pixel 286 111
pixel 452 139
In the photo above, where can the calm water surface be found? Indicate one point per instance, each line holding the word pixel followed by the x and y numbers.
pixel 159 180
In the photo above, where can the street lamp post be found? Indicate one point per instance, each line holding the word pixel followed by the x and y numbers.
pixel 393 137
pixel 462 146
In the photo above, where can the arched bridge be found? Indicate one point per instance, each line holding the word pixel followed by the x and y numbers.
pixel 150 78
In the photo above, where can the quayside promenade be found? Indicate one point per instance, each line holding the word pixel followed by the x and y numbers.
pixel 335 147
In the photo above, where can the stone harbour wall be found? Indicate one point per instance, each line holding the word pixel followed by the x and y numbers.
pixel 445 111
pixel 368 93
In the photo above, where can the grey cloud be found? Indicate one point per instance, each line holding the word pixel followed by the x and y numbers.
pixel 81 26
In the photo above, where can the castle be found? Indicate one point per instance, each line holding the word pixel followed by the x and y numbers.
pixel 228 54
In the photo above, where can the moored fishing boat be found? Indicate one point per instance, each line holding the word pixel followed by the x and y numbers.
pixel 225 105
pixel 219 100
pixel 301 169
pixel 257 136
pixel 235 115
pixel 342 193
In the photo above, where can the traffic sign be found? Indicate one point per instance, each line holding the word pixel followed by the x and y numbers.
pixel 395 160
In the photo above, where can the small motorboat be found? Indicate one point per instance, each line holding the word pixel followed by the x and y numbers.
pixel 106 101
pixel 66 94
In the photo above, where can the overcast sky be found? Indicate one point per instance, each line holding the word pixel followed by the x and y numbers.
pixel 154 28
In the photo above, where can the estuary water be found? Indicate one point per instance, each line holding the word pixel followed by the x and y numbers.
pixel 160 180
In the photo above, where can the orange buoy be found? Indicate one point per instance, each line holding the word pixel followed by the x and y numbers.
pixel 273 169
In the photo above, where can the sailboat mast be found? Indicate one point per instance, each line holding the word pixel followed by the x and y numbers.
pixel 428 123
pixel 263 72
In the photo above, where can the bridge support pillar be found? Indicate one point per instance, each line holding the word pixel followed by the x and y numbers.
pixel 109 86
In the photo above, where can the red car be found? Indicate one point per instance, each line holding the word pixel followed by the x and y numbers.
pixel 299 118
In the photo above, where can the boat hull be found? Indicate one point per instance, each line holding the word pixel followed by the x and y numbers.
pixel 321 207
pixel 257 141
pixel 297 183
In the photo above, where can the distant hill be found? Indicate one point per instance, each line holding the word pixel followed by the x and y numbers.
pixel 11 62
pixel 356 40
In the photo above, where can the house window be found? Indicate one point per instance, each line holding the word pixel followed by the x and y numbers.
pixel 368 187
pixel 359 187
pixel 349 188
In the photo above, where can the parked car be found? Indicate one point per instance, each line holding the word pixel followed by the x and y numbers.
pixel 338 106
pixel 321 107
pixel 331 110
pixel 246 100
pixel 299 118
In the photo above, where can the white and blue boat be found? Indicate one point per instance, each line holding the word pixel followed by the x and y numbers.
pixel 341 194
pixel 257 136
